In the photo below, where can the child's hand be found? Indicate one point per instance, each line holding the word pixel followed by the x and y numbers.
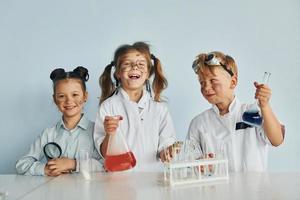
pixel 111 123
pixel 263 94
pixel 50 172
pixel 53 173
pixel 60 165
pixel 166 154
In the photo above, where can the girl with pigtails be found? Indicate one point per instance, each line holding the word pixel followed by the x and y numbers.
pixel 131 87
pixel 72 133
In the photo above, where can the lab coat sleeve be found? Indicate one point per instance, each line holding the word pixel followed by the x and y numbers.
pixel 30 164
pixel 194 136
pixel 167 134
pixel 97 161
pixel 262 137
pixel 99 132
pixel 194 132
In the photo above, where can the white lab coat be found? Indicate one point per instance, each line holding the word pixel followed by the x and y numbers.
pixel 246 149
pixel 146 126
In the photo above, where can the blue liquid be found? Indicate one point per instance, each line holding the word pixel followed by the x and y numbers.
pixel 252 118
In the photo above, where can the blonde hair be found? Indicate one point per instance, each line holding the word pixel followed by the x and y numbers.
pixel 108 88
pixel 226 61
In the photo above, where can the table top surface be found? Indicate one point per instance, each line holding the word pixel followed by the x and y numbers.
pixel 151 185
pixel 17 186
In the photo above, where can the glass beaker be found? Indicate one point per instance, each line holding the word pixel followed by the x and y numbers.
pixel 252 115
pixel 85 163
pixel 118 156
pixel 3 193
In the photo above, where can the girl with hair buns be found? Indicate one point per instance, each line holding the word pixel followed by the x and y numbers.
pixel 72 132
pixel 131 87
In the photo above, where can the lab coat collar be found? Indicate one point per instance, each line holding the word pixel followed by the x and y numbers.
pixel 233 106
pixel 141 103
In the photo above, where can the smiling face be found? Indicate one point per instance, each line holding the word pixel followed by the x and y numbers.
pixel 133 71
pixel 69 97
pixel 217 86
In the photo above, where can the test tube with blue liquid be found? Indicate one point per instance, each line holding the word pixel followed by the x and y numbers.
pixel 252 115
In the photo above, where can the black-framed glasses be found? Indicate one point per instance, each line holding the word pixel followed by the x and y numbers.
pixel 211 60
pixel 127 65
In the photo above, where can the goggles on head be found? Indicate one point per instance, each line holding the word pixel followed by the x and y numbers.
pixel 211 60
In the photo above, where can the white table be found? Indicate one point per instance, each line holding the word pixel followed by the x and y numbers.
pixel 150 185
pixel 17 186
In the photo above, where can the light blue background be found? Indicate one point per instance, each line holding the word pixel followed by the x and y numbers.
pixel 37 36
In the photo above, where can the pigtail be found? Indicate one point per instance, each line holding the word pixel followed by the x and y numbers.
pixel 82 72
pixel 57 73
pixel 148 87
pixel 159 81
pixel 106 84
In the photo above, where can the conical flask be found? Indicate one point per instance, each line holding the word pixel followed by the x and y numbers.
pixel 118 156
pixel 252 115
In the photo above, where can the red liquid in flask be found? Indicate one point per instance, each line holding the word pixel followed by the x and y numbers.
pixel 119 162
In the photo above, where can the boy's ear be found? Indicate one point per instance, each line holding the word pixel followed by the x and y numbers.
pixel 234 81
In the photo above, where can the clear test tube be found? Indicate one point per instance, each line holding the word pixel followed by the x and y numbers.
pixel 205 151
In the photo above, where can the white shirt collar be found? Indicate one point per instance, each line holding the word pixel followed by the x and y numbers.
pixel 83 123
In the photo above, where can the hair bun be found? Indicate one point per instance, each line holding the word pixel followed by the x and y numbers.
pixel 82 72
pixel 56 73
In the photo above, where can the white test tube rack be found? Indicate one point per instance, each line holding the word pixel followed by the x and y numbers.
pixel 203 170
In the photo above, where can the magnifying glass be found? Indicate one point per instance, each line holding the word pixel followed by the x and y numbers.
pixel 52 150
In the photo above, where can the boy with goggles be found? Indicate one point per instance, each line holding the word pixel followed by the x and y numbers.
pixel 220 130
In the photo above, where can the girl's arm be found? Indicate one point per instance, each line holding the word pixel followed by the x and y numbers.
pixel 104 127
pixel 110 124
pixel 30 163
pixel 99 133
pixel 103 146
pixel 167 135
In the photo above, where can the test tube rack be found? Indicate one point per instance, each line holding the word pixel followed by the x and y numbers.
pixel 202 170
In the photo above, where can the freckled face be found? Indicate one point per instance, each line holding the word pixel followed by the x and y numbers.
pixel 216 87
pixel 69 97
pixel 133 71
